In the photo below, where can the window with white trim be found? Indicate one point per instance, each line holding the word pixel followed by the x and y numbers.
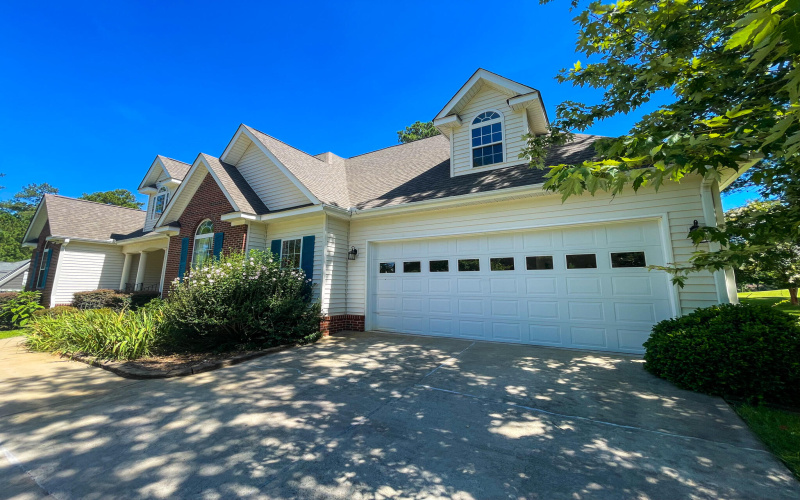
pixel 487 139
pixel 203 250
pixel 290 253
pixel 161 201
pixel 40 279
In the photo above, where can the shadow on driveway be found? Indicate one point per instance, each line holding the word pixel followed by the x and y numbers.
pixel 370 415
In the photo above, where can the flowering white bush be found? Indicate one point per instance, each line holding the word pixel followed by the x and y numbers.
pixel 241 300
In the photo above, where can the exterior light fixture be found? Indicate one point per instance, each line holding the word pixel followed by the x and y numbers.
pixel 695 227
pixel 351 255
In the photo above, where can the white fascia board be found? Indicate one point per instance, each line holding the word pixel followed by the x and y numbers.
pixel 176 195
pixel 13 274
pixel 523 101
pixel 290 213
pixel 148 190
pixel 449 121
pixel 450 201
pixel 26 236
pixel 487 76
pixel 224 155
pixel 29 245
pixel 146 238
pixel 62 239
pixel 170 183
pixel 156 162
pixel 338 212
pixel 238 218
pixel 167 230
pixel 302 187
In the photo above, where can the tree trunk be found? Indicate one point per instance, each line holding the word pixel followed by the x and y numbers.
pixel 793 296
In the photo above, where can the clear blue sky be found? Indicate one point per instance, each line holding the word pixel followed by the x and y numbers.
pixel 90 92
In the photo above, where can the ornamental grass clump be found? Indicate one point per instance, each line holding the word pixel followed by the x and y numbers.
pixel 743 352
pixel 241 301
pixel 105 333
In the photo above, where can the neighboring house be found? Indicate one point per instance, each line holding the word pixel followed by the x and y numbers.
pixel 450 236
pixel 14 275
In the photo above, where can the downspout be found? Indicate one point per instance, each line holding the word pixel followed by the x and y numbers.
pixel 61 251
pixel 724 279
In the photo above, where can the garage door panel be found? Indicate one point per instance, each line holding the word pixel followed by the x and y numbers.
pixel 601 308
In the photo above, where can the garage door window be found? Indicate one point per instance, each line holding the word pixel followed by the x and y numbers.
pixel 439 266
pixel 539 263
pixel 582 261
pixel 501 263
pixel 386 267
pixel 412 267
pixel 628 259
pixel 469 265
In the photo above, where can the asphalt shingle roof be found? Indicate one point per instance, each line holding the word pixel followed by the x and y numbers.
pixel 176 169
pixel 238 188
pixel 7 268
pixel 76 218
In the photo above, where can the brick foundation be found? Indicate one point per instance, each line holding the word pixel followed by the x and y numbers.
pixel 333 324
pixel 208 202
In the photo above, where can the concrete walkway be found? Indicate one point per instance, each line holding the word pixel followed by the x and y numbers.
pixel 372 415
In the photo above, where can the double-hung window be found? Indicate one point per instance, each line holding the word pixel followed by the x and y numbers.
pixel 290 253
pixel 487 139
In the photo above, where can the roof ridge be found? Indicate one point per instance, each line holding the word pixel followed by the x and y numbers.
pixel 95 202
pixel 393 146
pixel 285 144
pixel 173 159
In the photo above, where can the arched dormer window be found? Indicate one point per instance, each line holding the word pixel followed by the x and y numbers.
pixel 203 244
pixel 161 201
pixel 487 139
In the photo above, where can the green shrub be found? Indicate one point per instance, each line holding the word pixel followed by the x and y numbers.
pixel 104 333
pixel 18 310
pixel 6 297
pixel 55 311
pixel 748 352
pixel 240 301
pixel 99 299
pixel 139 299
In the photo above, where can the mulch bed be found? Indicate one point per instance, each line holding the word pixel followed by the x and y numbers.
pixel 173 365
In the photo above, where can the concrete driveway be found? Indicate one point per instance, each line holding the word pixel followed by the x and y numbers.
pixel 372 415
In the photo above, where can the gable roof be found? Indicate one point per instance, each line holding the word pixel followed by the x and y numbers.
pixel 232 182
pixel 10 270
pixel 175 169
pixel 325 181
pixel 74 218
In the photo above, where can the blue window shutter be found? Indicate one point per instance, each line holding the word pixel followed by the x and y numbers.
pixel 34 266
pixel 218 237
pixel 184 254
pixel 275 248
pixel 47 268
pixel 307 257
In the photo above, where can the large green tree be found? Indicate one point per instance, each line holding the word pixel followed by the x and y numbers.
pixel 761 259
pixel 15 215
pixel 416 131
pixel 119 197
pixel 731 68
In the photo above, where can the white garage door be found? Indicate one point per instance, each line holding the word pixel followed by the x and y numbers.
pixel 585 287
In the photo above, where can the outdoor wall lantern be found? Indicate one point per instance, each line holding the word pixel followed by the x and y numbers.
pixel 695 227
pixel 351 255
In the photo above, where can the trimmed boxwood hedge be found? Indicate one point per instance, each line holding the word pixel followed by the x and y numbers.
pixel 745 352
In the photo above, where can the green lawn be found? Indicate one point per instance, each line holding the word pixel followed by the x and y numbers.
pixel 769 298
pixel 4 334
pixel 778 429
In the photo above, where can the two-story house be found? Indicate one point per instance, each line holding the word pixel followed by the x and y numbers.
pixel 450 236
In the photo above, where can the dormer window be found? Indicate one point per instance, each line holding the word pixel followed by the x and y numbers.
pixel 487 139
pixel 161 201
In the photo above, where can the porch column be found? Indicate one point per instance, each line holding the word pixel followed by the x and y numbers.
pixel 126 271
pixel 140 272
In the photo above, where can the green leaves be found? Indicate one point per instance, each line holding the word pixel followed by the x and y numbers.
pixel 416 131
pixel 733 70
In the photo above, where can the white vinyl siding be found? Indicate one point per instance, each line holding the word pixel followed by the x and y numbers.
pixel 257 237
pixel 274 188
pixel 334 296
pixel 514 127
pixel 295 229
pixel 680 203
pixel 86 266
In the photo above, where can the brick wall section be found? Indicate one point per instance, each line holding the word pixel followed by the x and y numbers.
pixel 208 202
pixel 55 248
pixel 333 324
